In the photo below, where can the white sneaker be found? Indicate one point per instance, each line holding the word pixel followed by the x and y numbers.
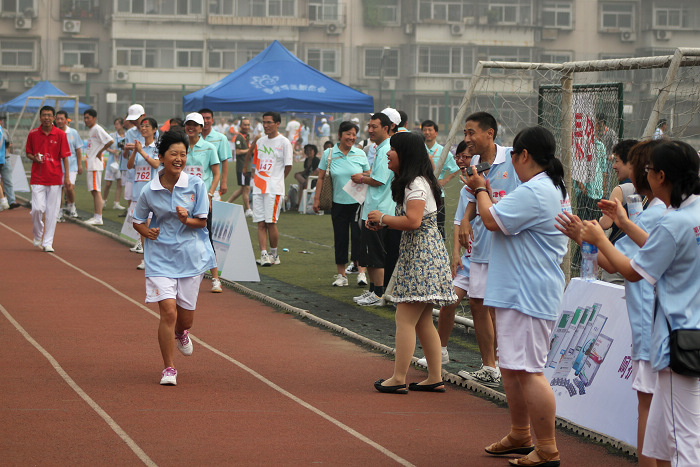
pixel 485 375
pixel 445 359
pixel 351 269
pixel 361 279
pixel 275 259
pixel 94 221
pixel 141 266
pixel 4 204
pixel 48 249
pixel 169 377
pixel 37 242
pixel 216 286
pixel 364 295
pixel 370 300
pixel 118 207
pixel 138 247
pixel 60 217
pixel 184 343
pixel 249 213
pixel 340 281
pixel 73 212
pixel 265 260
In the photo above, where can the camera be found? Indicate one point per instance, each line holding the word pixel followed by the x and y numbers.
pixel 120 145
pixel 483 167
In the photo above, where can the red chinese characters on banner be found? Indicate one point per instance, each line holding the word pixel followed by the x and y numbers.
pixel 583 137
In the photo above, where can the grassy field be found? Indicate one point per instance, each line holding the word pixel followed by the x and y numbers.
pixel 298 232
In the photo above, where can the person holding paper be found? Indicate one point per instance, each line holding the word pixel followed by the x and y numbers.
pixel 346 160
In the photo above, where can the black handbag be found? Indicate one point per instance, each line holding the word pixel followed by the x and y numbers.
pixel 685 351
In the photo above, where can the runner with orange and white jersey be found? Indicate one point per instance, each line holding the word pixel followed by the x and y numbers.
pixel 272 157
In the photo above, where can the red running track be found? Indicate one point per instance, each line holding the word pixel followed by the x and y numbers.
pixel 80 370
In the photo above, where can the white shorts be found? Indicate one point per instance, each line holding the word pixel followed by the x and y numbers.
pixel 462 282
pixel 72 176
pixel 111 174
pixel 122 177
pixel 94 180
pixel 477 279
pixel 184 290
pixel 523 341
pixel 644 376
pixel 674 420
pixel 128 190
pixel 266 207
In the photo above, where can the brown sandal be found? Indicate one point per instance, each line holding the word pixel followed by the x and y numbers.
pixel 546 460
pixel 516 447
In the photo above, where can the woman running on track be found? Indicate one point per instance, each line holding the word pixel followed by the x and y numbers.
pixel 178 250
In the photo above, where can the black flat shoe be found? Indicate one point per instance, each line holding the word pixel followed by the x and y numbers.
pixel 435 387
pixel 398 389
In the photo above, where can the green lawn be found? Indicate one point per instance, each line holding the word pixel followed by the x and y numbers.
pixel 298 232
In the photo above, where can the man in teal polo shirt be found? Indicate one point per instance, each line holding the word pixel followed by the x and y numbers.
pixel 222 145
pixel 372 252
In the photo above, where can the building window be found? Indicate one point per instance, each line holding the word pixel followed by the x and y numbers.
pixel 617 17
pixel 159 54
pixel 222 7
pixel 324 60
pixel 79 9
pixel 505 54
pixel 515 12
pixel 373 63
pixel 79 54
pixel 551 56
pixel 323 10
pixel 557 15
pixel 17 54
pixel 18 7
pixel 230 55
pixel 444 10
pixel 387 11
pixel 156 7
pixel 669 15
pixel 264 8
pixel 433 108
pixel 445 60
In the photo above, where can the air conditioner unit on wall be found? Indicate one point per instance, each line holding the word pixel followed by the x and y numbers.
pixel 457 29
pixel 78 77
pixel 22 22
pixel 29 81
pixel 71 26
pixel 334 29
pixel 550 34
pixel 389 84
pixel 628 36
pixel 121 75
pixel 408 28
pixel 459 85
pixel 4 83
pixel 663 35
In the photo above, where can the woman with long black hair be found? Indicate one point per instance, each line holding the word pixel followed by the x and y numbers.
pixel 423 276
pixel 525 285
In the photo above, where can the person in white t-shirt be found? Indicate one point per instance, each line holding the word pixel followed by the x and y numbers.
pixel 98 141
pixel 272 157
pixel 293 129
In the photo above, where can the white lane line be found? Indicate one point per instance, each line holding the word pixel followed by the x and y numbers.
pixel 94 405
pixel 400 460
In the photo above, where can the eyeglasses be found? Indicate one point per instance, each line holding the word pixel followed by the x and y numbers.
pixel 463 156
pixel 647 168
pixel 268 122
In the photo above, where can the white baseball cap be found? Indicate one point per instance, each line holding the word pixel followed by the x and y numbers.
pixel 355 120
pixel 323 120
pixel 195 117
pixel 135 111
pixel 393 115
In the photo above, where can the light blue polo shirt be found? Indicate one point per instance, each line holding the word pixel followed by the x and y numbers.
pixel 143 171
pixel 503 180
pixel 639 296
pixel 459 214
pixel 342 167
pixel 670 259
pixel 379 197
pixel 450 165
pixel 131 135
pixel 179 251
pixel 200 158
pixel 74 142
pixel 524 272
pixel 222 145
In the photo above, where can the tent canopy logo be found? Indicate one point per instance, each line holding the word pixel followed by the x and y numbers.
pixel 269 85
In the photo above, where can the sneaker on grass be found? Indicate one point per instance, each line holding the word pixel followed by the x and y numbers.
pixel 265 260
pixel 361 279
pixel 370 300
pixel 249 213
pixel 340 280
pixel 486 375
pixel 351 269
pixel 169 377
pixel 184 343
pixel 364 295
pixel 275 259
pixel 94 221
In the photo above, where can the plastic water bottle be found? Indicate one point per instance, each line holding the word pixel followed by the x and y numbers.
pixel 634 207
pixel 589 262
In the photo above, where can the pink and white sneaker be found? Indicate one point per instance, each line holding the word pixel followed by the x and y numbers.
pixel 184 343
pixel 169 377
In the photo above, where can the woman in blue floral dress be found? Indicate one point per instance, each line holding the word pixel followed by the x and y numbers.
pixel 423 276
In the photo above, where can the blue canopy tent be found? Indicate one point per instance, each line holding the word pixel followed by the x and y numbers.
pixel 277 80
pixel 41 89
